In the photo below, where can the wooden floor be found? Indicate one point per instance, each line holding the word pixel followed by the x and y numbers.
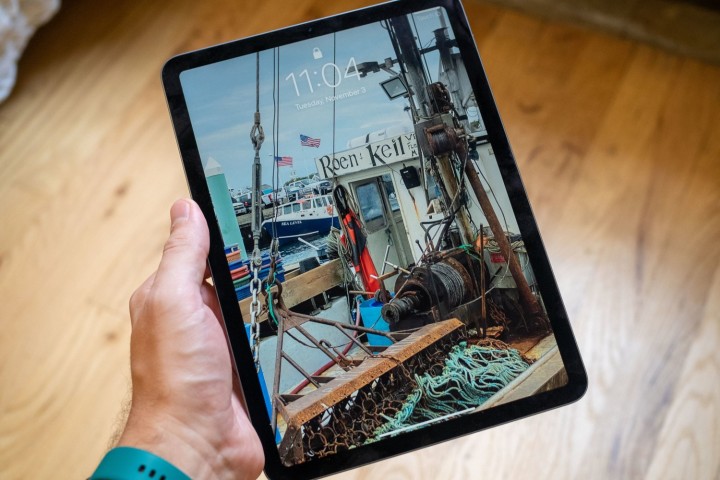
pixel 619 147
pixel 686 27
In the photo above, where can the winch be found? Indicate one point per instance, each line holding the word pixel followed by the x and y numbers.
pixel 435 291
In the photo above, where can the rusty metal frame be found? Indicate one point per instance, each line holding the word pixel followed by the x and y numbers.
pixel 289 320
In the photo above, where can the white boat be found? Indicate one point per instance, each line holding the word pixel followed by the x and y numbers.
pixel 304 217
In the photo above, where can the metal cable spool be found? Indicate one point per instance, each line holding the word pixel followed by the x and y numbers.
pixel 452 282
pixel 428 286
pixel 442 140
pixel 445 139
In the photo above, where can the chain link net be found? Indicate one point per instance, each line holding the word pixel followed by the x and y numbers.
pixel 443 379
pixel 354 420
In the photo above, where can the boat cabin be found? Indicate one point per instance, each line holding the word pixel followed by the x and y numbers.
pixel 306 205
pixel 386 180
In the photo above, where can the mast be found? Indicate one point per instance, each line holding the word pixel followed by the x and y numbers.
pixel 409 58
pixel 443 133
pixel 411 61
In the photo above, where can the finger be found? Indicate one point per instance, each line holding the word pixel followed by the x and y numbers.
pixel 139 296
pixel 184 256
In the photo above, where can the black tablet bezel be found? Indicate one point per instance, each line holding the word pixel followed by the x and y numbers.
pixel 577 378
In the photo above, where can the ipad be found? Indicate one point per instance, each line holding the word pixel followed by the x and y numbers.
pixel 383 283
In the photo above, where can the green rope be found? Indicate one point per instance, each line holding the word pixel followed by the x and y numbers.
pixel 271 310
pixel 471 251
pixel 471 375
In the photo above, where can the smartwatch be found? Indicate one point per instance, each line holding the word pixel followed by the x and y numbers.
pixel 128 463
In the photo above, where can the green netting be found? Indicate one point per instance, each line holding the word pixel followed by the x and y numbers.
pixel 471 375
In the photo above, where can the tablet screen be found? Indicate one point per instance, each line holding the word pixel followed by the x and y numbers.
pixel 409 297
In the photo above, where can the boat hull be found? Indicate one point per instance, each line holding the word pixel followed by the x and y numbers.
pixel 291 230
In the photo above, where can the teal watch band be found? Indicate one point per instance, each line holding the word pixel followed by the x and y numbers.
pixel 128 463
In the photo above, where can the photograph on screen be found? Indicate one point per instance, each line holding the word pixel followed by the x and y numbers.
pixel 394 288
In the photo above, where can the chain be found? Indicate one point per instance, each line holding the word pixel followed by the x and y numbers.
pixel 257 136
pixel 254 324
pixel 497 315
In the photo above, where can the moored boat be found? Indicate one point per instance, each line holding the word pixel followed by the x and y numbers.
pixel 304 217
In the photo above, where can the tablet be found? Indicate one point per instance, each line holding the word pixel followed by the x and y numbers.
pixel 382 279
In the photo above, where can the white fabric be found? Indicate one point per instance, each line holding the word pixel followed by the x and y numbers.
pixel 18 21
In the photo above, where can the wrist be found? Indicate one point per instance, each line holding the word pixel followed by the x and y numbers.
pixel 174 441
pixel 128 463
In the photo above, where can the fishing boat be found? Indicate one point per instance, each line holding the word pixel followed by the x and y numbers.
pixel 302 218
pixel 429 307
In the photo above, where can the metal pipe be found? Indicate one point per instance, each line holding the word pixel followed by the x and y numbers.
pixel 448 178
pixel 300 369
pixel 529 303
pixel 483 308
pixel 387 252
pixel 354 340
pixel 276 377
pixel 310 318
pixel 319 345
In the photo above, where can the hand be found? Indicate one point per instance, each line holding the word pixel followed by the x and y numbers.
pixel 184 408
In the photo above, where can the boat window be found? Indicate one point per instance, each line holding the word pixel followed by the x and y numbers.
pixel 371 206
pixel 321 201
pixel 390 191
pixel 296 207
pixel 330 200
pixel 287 209
pixel 306 205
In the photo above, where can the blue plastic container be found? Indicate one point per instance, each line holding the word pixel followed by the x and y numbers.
pixel 370 314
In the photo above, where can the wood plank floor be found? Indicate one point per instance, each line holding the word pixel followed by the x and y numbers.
pixel 619 147
pixel 685 27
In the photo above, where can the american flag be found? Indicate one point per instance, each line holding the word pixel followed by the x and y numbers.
pixel 284 161
pixel 306 141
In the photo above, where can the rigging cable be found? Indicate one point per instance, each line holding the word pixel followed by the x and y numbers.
pixel 422 55
pixel 276 145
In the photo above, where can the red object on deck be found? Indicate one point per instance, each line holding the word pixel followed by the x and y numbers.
pixel 356 241
pixel 362 261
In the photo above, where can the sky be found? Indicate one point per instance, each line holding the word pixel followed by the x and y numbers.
pixel 221 99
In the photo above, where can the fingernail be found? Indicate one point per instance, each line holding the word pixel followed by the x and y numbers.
pixel 179 211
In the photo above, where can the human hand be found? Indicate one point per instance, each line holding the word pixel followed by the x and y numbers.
pixel 184 408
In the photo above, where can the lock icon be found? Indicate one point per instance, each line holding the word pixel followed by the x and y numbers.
pixel 317 54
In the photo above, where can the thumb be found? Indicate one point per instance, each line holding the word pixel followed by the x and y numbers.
pixel 184 256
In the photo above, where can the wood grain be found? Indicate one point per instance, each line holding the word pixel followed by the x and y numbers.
pixel 685 27
pixel 299 289
pixel 618 144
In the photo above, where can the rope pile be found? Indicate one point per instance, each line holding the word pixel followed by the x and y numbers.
pixel 471 375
